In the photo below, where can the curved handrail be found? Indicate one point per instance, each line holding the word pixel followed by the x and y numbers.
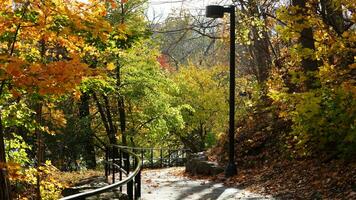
pixel 111 186
pixel 148 148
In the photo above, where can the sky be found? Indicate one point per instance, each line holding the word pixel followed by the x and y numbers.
pixel 160 9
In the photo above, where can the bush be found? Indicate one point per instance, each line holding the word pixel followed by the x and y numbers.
pixel 323 121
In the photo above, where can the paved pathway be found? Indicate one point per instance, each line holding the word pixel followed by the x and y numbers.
pixel 163 184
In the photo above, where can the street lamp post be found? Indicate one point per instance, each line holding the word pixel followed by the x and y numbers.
pixel 215 11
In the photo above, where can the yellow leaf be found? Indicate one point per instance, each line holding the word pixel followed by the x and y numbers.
pixel 111 66
pixel 77 95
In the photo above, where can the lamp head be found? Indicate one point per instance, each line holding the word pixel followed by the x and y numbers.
pixel 215 11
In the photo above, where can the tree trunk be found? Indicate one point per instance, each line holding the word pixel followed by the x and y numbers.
pixel 121 107
pixel 40 150
pixel 306 40
pixel 87 132
pixel 5 191
pixel 122 114
pixel 332 15
pixel 202 137
pixel 106 116
pixel 188 143
pixel 260 48
pixel 261 56
pixel 112 127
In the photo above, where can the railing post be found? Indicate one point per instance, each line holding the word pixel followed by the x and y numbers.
pixel 127 162
pixel 178 159
pixel 174 157
pixel 120 165
pixel 169 157
pixel 130 183
pixel 130 190
pixel 187 154
pixel 161 157
pixel 106 163
pixel 138 185
pixel 133 159
pixel 142 156
pixel 151 158
pixel 113 163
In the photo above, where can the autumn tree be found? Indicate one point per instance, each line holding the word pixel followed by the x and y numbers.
pixel 42 44
pixel 319 65
pixel 205 91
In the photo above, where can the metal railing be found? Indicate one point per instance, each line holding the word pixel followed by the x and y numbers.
pixel 129 161
pixel 159 157
pixel 121 164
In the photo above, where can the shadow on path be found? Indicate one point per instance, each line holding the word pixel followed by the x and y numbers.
pixel 212 195
pixel 165 185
